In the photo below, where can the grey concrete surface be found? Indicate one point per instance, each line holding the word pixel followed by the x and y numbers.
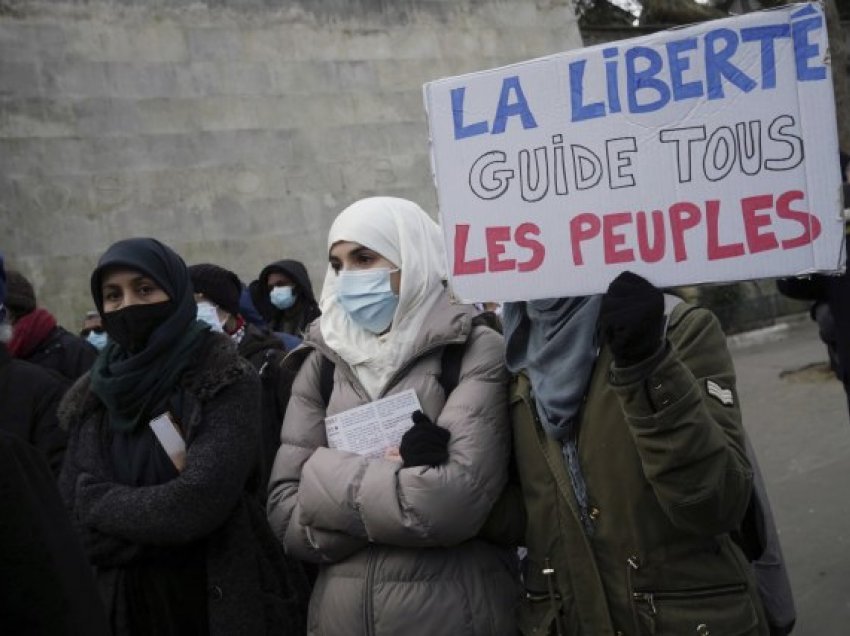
pixel 796 414
pixel 235 130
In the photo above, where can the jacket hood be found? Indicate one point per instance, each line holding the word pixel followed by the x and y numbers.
pixel 219 365
pixel 297 272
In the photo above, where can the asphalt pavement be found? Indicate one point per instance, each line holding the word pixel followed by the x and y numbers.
pixel 797 417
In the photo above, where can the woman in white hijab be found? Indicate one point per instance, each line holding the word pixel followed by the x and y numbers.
pixel 397 535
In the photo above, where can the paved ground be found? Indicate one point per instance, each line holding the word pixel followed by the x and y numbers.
pixel 797 417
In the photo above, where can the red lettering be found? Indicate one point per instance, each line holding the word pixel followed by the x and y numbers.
pixel 496 239
pixel 612 241
pixel 654 253
pixel 683 217
pixel 582 227
pixel 462 266
pixel 758 241
pixel 538 252
pixel 716 251
pixel 810 223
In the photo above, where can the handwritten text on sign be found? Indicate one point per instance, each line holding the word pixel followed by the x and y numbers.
pixel 700 154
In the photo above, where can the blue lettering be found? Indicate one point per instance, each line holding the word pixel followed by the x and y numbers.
pixel 765 35
pixel 645 79
pixel 611 80
pixel 580 111
pixel 678 65
pixel 718 66
pixel 804 51
pixel 507 108
pixel 462 131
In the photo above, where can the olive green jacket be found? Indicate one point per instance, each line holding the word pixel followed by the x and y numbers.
pixel 662 452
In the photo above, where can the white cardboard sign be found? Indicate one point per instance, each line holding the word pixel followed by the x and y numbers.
pixel 701 154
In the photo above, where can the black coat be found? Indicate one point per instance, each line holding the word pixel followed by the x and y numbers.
pixel 64 353
pixel 252 588
pixel 835 291
pixel 46 586
pixel 29 397
pixel 302 313
pixel 265 351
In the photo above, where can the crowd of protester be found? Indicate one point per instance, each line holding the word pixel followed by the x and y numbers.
pixel 586 472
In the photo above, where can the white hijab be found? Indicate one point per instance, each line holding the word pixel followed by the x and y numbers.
pixel 400 231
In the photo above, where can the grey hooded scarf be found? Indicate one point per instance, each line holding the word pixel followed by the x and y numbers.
pixel 554 341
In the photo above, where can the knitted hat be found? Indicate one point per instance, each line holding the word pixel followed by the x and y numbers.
pixel 20 296
pixel 219 285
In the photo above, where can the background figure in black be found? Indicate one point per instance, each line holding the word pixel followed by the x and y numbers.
pixel 46 585
pixel 92 330
pixel 221 289
pixel 163 438
pixel 831 309
pixel 284 297
pixel 37 338
pixel 29 396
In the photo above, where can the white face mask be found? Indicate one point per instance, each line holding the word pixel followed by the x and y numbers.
pixel 208 313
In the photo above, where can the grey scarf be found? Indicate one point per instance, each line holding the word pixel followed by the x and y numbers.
pixel 554 341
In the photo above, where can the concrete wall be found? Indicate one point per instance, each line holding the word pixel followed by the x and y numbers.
pixel 232 130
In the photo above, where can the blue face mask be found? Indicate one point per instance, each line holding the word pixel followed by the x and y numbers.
pixel 97 340
pixel 367 297
pixel 282 297
pixel 208 314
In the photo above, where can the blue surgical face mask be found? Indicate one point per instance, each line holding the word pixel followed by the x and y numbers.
pixel 97 339
pixel 367 297
pixel 282 297
pixel 207 313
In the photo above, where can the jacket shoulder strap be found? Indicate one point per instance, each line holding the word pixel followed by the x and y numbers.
pixel 452 355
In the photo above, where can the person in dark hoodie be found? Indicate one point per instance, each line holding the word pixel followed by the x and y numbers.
pixel 217 292
pixel 163 439
pixel 29 396
pixel 37 338
pixel 284 297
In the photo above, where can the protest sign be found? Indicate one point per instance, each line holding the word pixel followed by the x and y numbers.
pixel 701 154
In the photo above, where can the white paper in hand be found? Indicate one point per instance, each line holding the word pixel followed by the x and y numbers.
pixel 372 428
pixel 171 440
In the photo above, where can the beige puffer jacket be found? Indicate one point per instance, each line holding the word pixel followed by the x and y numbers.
pixel 397 546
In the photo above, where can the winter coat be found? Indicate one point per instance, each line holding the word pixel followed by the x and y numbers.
pixel 46 585
pixel 64 353
pixel 397 546
pixel 29 396
pixel 249 588
pixel 835 292
pixel 264 350
pixel 305 310
pixel 662 451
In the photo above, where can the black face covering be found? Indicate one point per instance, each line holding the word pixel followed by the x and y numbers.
pixel 132 326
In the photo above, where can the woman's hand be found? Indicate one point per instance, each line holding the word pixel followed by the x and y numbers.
pixel 392 454
pixel 425 443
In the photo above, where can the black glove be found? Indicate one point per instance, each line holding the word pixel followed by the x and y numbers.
pixel 632 319
pixel 425 443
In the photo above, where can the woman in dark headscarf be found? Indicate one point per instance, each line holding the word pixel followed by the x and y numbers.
pixel 284 297
pixel 163 447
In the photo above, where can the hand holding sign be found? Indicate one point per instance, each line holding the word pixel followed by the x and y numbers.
pixel 632 319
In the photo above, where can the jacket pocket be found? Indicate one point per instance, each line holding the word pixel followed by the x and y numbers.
pixel 722 610
pixel 538 613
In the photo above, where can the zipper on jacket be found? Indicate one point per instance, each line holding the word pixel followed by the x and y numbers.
pixel 368 601
pixel 549 573
pixel 700 592
pixel 686 595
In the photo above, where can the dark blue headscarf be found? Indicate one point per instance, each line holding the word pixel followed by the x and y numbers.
pixel 133 385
